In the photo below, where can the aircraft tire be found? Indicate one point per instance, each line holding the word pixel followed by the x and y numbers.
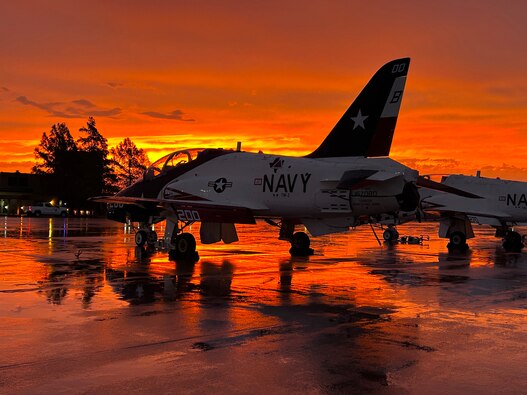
pixel 185 245
pixel 37 214
pixel 513 241
pixel 151 238
pixel 390 234
pixel 140 238
pixel 458 241
pixel 300 245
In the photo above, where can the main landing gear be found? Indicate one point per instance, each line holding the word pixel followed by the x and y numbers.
pixel 390 234
pixel 458 241
pixel 512 241
pixel 184 247
pixel 300 243
pixel 458 229
pixel 182 244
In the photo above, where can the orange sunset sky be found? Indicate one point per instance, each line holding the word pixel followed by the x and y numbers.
pixel 276 75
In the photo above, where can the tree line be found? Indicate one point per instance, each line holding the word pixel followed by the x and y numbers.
pixel 86 167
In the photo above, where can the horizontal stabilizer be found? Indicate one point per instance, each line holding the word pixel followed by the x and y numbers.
pixel 356 179
pixel 428 183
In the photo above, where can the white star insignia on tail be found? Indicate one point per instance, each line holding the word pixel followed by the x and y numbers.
pixel 358 120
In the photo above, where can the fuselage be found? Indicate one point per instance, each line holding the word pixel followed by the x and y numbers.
pixel 278 186
pixel 272 185
pixel 502 201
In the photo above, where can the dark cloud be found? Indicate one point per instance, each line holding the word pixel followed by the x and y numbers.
pixel 25 100
pixel 5 89
pixel 75 109
pixel 48 107
pixel 113 84
pixel 176 115
pixel 104 113
pixel 84 103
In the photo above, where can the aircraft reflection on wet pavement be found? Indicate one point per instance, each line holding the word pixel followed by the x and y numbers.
pixel 78 297
pixel 139 280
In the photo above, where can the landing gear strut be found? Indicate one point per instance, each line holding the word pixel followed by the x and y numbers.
pixel 512 241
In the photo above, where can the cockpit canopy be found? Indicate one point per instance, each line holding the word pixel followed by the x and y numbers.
pixel 171 161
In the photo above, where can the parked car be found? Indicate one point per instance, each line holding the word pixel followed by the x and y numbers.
pixel 45 208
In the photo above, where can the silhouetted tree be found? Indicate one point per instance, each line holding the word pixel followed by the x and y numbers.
pixel 93 148
pixel 129 162
pixel 55 158
pixel 93 141
pixel 49 153
pixel 77 170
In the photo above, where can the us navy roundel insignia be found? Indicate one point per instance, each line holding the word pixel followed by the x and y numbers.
pixel 220 184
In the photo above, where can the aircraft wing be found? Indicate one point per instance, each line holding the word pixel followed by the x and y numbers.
pixel 139 201
pixel 444 203
pixel 186 210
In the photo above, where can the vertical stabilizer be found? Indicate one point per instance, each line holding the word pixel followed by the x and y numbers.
pixel 367 127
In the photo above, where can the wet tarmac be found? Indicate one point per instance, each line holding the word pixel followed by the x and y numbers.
pixel 84 311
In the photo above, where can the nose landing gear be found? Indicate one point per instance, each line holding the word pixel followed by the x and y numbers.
pixel 145 236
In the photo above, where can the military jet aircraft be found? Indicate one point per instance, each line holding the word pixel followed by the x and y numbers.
pixel 347 181
pixel 502 204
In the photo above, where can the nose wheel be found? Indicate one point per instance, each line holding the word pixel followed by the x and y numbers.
pixel 140 238
pixel 143 237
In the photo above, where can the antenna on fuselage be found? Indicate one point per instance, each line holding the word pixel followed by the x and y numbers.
pixel 239 146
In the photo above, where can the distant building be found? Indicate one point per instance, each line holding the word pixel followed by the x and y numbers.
pixel 18 189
